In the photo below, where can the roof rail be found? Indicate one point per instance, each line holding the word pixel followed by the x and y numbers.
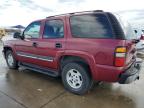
pixel 76 13
pixel 87 11
pixel 98 11
pixel 55 15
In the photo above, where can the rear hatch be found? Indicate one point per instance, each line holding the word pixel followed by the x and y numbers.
pixel 125 32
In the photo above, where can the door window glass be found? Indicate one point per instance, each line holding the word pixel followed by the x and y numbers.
pixel 33 30
pixel 53 29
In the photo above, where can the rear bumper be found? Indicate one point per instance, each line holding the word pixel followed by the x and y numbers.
pixel 131 74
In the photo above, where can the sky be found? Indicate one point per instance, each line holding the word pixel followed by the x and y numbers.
pixel 15 12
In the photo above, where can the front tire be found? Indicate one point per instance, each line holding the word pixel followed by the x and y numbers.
pixel 76 78
pixel 10 60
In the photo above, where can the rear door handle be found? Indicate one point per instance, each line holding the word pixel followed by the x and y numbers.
pixel 35 44
pixel 58 45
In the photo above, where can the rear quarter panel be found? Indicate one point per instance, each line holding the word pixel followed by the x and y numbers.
pixel 101 49
pixel 99 54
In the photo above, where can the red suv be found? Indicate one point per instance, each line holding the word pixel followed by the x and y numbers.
pixel 80 47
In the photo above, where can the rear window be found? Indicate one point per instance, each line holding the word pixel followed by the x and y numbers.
pixel 90 26
pixel 128 31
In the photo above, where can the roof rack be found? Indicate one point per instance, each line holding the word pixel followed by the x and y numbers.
pixel 76 13
pixel 87 11
pixel 98 11
pixel 56 15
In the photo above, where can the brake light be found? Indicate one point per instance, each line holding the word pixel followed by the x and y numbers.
pixel 120 56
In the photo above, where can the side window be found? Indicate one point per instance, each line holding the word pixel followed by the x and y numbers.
pixel 53 29
pixel 33 30
pixel 91 26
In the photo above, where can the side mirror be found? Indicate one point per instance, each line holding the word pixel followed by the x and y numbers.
pixel 142 37
pixel 18 35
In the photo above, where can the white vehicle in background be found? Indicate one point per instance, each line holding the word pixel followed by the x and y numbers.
pixel 8 36
pixel 140 45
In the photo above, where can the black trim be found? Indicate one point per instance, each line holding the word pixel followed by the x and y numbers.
pixel 130 74
pixel 39 69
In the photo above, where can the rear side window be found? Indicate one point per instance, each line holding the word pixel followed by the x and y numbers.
pixel 90 26
pixel 116 26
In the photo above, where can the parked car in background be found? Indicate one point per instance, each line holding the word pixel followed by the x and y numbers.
pixel 81 47
pixel 140 44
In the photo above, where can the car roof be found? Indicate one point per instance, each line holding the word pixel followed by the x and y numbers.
pixel 73 13
pixel 77 13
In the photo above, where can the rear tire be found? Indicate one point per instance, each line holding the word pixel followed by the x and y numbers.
pixel 76 78
pixel 10 60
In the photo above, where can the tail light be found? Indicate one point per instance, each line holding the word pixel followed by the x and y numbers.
pixel 120 56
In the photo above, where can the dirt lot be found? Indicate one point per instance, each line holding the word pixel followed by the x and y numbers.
pixel 27 89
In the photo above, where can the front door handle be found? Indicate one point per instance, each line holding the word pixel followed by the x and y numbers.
pixel 35 44
pixel 58 45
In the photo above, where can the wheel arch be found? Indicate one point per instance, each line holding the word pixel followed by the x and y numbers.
pixel 64 59
pixel 5 48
